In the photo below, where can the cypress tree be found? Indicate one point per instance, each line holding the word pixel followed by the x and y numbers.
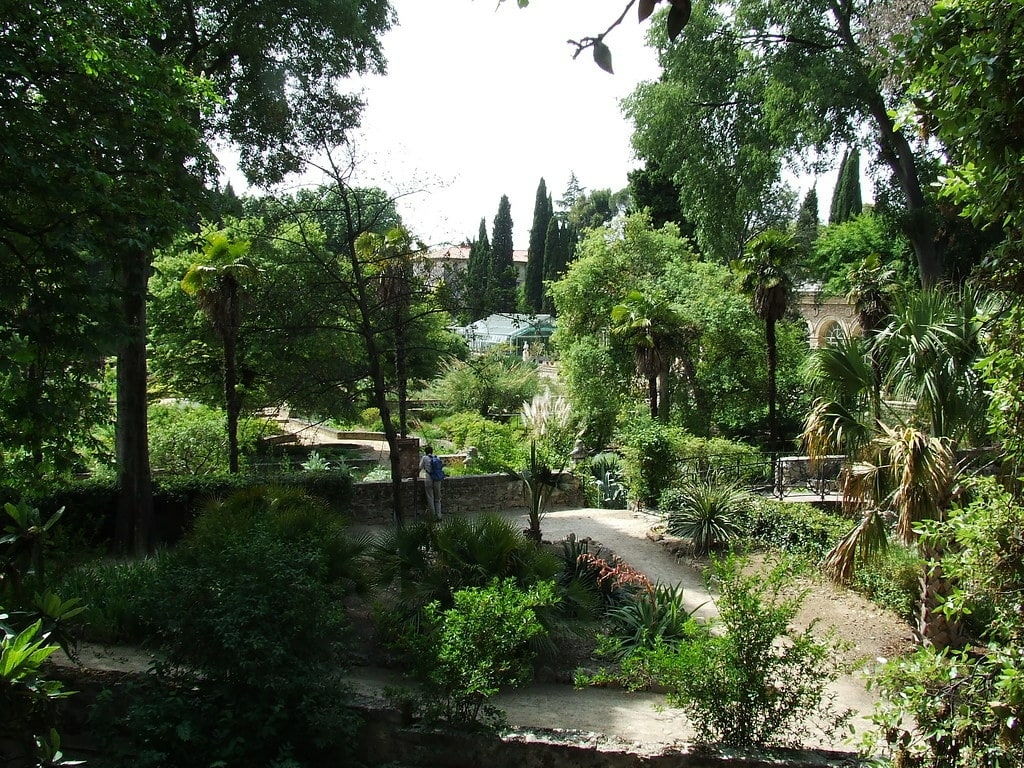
pixel 846 200
pixel 807 221
pixel 502 276
pixel 478 273
pixel 533 292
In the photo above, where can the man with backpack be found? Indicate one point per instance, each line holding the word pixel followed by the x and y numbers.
pixel 433 471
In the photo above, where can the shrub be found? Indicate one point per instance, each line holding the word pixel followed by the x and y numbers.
pixel 478 646
pixel 798 529
pixel 705 510
pixel 499 446
pixel 430 562
pixel 190 439
pixel 251 637
pixel 651 452
pixel 494 383
pixel 605 475
pixel 656 615
pixel 891 579
pixel 754 683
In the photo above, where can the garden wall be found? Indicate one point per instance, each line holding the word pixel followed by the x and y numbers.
pixel 371 501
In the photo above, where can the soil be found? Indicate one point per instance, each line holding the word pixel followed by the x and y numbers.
pixel 610 715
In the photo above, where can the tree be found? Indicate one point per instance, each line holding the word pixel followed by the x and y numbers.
pixel 749 86
pixel 651 325
pixel 807 224
pixel 543 211
pixel 928 352
pixel 653 190
pixel 502 272
pixel 104 158
pixel 846 199
pixel 218 285
pixel 768 274
pixel 478 274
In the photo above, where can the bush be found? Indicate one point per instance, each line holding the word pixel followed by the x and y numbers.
pixel 654 616
pixel 499 446
pixel 480 645
pixel 705 510
pixel 190 439
pixel 891 579
pixel 797 529
pixel 755 683
pixel 652 451
pixel 604 481
pixel 491 384
pixel 251 637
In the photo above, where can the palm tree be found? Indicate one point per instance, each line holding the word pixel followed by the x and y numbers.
pixel 873 288
pixel 217 283
pixel 652 325
pixel 767 271
pixel 905 467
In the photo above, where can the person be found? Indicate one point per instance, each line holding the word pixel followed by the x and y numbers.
pixel 433 474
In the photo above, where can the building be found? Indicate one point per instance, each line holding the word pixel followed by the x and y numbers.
pixel 527 335
pixel 456 257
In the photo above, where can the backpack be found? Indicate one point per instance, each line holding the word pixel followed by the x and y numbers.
pixel 436 471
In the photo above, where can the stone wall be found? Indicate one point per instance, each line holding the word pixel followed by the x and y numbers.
pixel 371 501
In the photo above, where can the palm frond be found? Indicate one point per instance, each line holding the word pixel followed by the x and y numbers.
pixel 865 539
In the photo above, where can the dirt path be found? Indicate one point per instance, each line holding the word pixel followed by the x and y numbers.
pixel 642 719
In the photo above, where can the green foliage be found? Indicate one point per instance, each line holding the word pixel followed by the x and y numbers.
pixel 652 450
pixel 745 686
pixel 189 439
pixel 494 383
pixel 964 708
pixel 846 199
pixel 428 563
pixel 498 445
pixel 28 697
pixel 605 474
pixel 653 617
pixel 112 592
pixel 842 247
pixel 501 280
pixel 796 529
pixel 891 579
pixel 706 510
pixel 478 646
pixel 250 635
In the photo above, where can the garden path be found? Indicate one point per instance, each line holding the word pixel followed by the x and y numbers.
pixel 642 719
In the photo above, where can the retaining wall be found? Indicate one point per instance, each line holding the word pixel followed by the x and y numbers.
pixel 371 501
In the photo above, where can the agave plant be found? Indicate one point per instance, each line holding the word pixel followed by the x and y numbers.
pixel 707 511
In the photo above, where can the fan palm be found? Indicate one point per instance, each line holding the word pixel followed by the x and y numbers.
pixel 767 270
pixel 928 351
pixel 651 324
pixel 218 283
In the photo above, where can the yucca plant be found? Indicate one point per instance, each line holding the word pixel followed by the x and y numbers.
pixel 656 615
pixel 708 511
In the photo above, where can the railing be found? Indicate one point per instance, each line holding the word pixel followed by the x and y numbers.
pixel 778 475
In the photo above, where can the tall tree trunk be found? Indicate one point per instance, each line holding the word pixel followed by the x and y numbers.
pixel 899 156
pixel 652 394
pixel 933 627
pixel 772 351
pixel 134 523
pixel 231 399
pixel 664 402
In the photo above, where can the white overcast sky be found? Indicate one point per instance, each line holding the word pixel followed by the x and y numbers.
pixel 481 100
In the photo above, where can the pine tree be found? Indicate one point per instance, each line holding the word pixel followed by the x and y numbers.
pixel 807 224
pixel 573 192
pixel 502 275
pixel 533 291
pixel 477 274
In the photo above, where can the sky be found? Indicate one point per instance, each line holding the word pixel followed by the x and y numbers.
pixel 482 100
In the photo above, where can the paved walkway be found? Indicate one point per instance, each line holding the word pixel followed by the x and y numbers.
pixel 641 719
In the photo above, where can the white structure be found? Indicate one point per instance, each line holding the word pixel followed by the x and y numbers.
pixel 519 332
